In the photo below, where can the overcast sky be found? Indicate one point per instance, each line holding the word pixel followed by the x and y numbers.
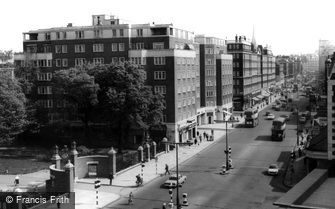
pixel 288 26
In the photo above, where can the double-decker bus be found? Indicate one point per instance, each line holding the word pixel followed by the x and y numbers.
pixel 251 117
pixel 278 129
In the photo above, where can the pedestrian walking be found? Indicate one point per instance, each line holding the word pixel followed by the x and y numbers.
pixel 197 133
pixel 241 115
pixel 195 141
pixel 17 180
pixel 111 177
pixel 204 134
pixel 200 138
pixel 130 200
pixel 167 169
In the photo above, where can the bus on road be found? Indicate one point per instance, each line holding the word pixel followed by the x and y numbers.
pixel 278 129
pixel 251 117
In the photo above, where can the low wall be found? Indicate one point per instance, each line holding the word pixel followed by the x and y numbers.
pixel 58 182
pixel 300 192
pixel 102 162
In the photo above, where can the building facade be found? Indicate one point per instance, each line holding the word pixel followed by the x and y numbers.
pixel 253 73
pixel 215 80
pixel 168 54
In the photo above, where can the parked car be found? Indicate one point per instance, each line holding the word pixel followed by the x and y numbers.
pixel 270 116
pixel 273 169
pixel 267 113
pixel 172 181
pixel 287 117
pixel 277 108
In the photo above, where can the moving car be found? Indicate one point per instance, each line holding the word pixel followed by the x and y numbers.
pixel 267 113
pixel 270 116
pixel 287 117
pixel 273 169
pixel 277 108
pixel 172 181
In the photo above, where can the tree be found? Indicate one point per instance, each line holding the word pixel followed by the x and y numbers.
pixel 125 99
pixel 13 117
pixel 5 56
pixel 79 91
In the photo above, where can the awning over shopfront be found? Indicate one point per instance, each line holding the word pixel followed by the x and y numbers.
pixel 228 113
pixel 266 94
pixel 260 97
pixel 255 99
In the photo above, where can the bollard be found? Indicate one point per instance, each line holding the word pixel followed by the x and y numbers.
pixel 185 201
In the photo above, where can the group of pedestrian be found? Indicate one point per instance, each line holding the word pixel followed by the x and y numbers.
pixel 206 136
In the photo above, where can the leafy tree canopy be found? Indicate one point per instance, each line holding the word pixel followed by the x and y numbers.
pixel 12 109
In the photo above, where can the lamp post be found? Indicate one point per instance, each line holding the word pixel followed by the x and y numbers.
pixel 165 140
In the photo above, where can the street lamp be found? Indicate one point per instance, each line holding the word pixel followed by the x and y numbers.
pixel 165 140
pixel 226 151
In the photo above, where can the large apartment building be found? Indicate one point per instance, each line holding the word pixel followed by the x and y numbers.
pixel 254 72
pixel 168 54
pixel 215 80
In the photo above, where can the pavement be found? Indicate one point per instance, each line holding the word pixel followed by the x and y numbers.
pixel 124 182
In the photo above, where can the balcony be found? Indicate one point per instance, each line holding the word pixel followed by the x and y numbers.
pixel 33 56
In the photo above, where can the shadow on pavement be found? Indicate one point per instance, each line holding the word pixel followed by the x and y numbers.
pixel 263 138
pixel 277 181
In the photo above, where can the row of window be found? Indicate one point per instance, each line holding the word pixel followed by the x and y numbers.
pixel 80 48
pixel 184 89
pixel 81 34
pixel 186 61
pixel 49 103
pixel 185 102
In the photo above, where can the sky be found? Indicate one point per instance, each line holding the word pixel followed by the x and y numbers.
pixel 288 26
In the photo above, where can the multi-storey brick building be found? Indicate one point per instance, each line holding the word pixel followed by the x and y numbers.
pixel 169 56
pixel 254 72
pixel 215 79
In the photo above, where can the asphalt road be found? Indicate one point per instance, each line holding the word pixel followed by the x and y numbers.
pixel 246 186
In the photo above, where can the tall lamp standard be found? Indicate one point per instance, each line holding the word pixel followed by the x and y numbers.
pixel 226 151
pixel 165 140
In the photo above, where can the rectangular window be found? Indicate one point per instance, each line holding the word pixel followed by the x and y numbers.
pixel 44 76
pixel 98 61
pixel 46 103
pixel 64 62
pixel 144 61
pixel 44 90
pixel 58 49
pixel 79 48
pixel 64 48
pixel 159 60
pixel 159 75
pixel 121 47
pixel 79 61
pixel 47 36
pixel 97 33
pixel 139 32
pixel 58 62
pixel 98 48
pixel 160 89
pixel 57 35
pixel 114 32
pixel 121 33
pixel 79 34
pixel 64 35
pixel 114 47
pixel 158 45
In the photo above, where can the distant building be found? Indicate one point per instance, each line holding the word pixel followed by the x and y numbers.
pixel 253 72
pixel 310 62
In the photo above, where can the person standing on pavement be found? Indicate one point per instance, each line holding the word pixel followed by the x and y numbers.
pixel 200 138
pixel 195 141
pixel 164 206
pixel 111 177
pixel 167 169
